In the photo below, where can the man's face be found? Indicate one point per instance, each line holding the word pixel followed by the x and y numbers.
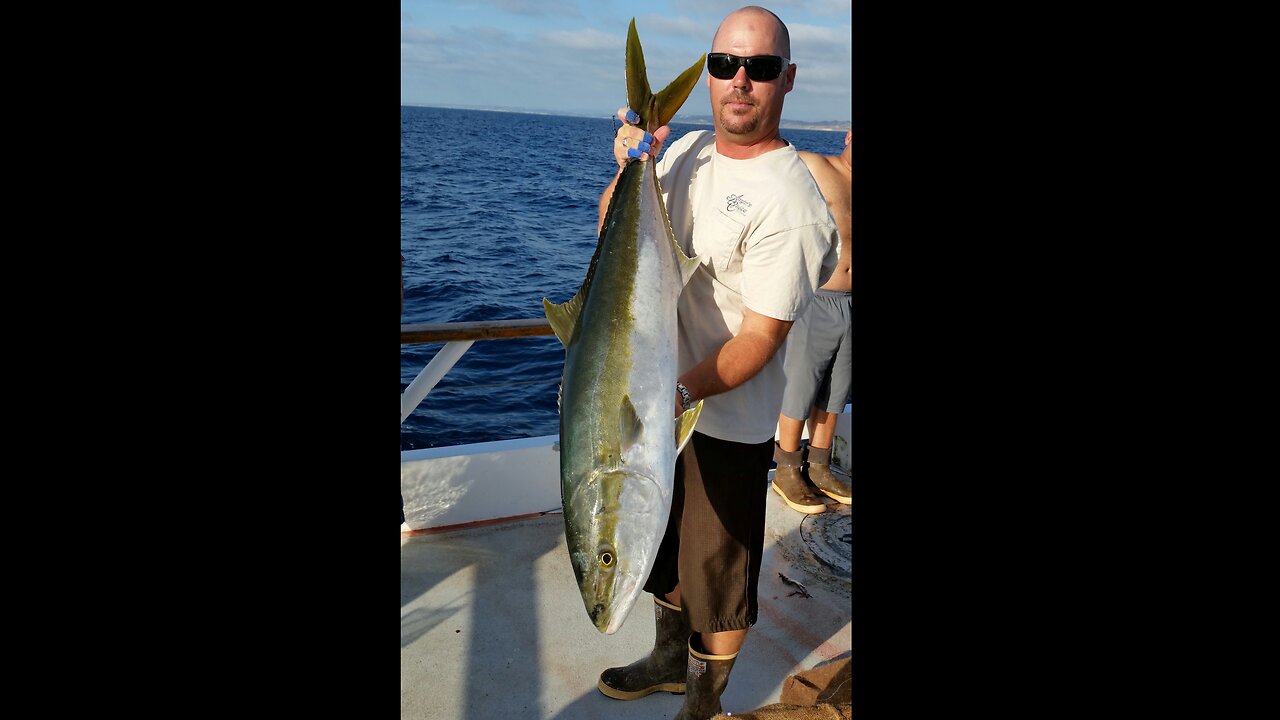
pixel 744 108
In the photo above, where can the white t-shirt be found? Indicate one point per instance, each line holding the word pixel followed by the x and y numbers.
pixel 766 241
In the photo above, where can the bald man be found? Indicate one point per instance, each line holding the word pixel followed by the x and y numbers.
pixel 742 201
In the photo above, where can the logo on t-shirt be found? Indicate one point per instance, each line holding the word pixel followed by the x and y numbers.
pixel 735 202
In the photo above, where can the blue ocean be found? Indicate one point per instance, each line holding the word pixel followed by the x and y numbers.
pixel 497 211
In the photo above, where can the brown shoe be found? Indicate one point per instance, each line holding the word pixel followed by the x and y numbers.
pixel 788 483
pixel 821 476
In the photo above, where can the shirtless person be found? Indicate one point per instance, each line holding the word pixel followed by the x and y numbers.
pixel 819 356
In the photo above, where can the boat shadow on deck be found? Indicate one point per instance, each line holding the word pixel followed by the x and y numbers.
pixel 492 625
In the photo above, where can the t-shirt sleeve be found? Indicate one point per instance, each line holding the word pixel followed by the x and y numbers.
pixel 782 271
pixel 675 151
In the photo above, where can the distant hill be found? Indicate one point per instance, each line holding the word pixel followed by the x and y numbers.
pixel 837 125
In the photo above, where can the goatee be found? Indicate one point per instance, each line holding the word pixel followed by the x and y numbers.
pixel 736 123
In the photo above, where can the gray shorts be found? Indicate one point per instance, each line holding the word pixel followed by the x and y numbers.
pixel 819 361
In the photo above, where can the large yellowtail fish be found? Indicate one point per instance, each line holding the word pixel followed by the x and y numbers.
pixel 618 439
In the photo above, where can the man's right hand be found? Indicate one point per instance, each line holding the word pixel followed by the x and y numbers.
pixel 633 142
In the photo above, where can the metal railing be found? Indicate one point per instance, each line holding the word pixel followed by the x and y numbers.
pixel 458 338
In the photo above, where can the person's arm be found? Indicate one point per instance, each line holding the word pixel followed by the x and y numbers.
pixel 605 197
pixel 738 360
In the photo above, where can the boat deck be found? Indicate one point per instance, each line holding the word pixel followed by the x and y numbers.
pixel 492 625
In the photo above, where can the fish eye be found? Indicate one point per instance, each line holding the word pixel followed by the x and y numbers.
pixel 606 558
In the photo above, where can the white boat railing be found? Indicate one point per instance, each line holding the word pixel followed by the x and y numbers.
pixel 458 338
pixel 457 485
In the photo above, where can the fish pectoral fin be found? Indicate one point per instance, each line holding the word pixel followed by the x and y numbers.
pixel 630 427
pixel 687 265
pixel 564 317
pixel 684 425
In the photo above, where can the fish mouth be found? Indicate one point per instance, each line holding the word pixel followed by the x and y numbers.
pixel 608 622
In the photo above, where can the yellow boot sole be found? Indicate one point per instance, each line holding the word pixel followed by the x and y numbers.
pixel 807 509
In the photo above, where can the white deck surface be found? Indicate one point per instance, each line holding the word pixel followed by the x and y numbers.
pixel 492 626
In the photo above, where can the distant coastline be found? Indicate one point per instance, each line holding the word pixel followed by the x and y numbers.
pixel 829 125
pixel 832 125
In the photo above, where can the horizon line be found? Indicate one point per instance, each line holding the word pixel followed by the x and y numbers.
pixel 832 125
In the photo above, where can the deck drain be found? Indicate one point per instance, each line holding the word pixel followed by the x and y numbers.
pixel 829 536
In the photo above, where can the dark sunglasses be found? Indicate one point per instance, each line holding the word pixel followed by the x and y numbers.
pixel 760 68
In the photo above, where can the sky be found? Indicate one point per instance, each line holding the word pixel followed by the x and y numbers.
pixel 567 56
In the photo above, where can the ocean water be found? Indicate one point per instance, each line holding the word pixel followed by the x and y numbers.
pixel 497 211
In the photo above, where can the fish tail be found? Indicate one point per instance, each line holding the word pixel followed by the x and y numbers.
pixel 655 110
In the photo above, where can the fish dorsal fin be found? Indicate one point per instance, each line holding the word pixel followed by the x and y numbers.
pixel 684 425
pixel 630 427
pixel 564 317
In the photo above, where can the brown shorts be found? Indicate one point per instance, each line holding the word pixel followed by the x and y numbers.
pixel 715 535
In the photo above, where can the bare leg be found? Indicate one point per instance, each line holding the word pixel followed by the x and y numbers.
pixel 720 643
pixel 822 428
pixel 789 432
pixel 723 643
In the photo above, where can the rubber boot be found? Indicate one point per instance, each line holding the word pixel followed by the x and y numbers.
pixel 788 483
pixel 708 675
pixel 821 476
pixel 662 669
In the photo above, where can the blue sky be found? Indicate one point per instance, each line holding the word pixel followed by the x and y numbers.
pixel 567 56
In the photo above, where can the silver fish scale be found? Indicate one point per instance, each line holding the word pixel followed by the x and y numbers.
pixel 646 324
